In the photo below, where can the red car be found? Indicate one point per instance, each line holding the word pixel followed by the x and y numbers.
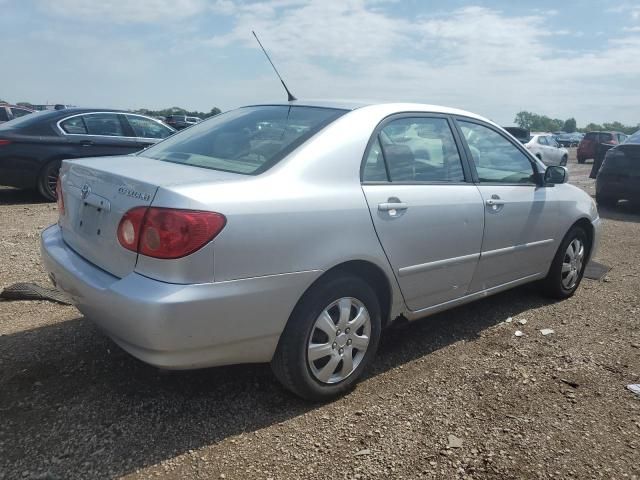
pixel 593 145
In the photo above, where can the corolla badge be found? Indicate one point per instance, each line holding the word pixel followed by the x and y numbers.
pixel 85 191
pixel 132 193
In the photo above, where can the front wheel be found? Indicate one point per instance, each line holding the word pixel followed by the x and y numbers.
pixel 331 337
pixel 568 265
pixel 48 179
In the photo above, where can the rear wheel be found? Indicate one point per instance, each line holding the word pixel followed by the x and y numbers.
pixel 568 265
pixel 330 338
pixel 48 179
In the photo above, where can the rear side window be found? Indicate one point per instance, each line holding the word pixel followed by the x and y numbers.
pixel 542 140
pixel 605 137
pixel 591 136
pixel 105 124
pixel 416 150
pixel 74 126
pixel 248 140
pixel 147 128
pixel 3 114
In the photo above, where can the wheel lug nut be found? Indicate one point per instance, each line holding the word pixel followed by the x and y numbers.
pixel 334 345
pixel 349 342
pixel 347 330
pixel 338 332
pixel 341 351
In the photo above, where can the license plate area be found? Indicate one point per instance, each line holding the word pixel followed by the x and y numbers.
pixel 90 220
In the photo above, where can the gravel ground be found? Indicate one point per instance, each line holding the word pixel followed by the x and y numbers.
pixel 453 396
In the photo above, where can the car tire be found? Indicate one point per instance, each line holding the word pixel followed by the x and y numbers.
pixel 606 201
pixel 566 271
pixel 563 162
pixel 47 180
pixel 316 379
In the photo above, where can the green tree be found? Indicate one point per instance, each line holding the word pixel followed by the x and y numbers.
pixel 526 119
pixel 569 125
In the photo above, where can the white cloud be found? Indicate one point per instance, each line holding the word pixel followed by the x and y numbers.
pixel 474 57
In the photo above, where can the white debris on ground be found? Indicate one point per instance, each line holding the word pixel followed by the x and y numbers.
pixel 547 331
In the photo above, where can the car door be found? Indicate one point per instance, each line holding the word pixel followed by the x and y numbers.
pixel 99 134
pixel 426 211
pixel 520 217
pixel 147 130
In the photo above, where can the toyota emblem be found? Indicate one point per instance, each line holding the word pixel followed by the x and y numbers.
pixel 85 191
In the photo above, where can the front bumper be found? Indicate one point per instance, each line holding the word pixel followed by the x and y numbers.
pixel 597 233
pixel 178 326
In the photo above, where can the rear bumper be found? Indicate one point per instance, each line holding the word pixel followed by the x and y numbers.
pixel 178 326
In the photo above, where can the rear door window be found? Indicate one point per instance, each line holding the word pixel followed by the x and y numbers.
pixel 542 140
pixel 148 128
pixel 605 137
pixel 420 150
pixel 105 124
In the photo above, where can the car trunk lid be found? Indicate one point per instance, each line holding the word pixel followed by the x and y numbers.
pixel 99 191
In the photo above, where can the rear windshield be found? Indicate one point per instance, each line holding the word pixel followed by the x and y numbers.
pixel 248 140
pixel 591 136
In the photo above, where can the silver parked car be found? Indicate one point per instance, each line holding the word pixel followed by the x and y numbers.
pixel 294 233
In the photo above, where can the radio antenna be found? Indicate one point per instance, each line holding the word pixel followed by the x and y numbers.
pixel 291 98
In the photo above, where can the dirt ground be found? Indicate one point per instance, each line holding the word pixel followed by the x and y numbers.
pixel 453 396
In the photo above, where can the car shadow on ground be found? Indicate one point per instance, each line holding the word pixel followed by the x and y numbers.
pixel 72 401
pixel 14 196
pixel 622 212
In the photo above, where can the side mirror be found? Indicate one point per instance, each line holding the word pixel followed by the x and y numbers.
pixel 554 175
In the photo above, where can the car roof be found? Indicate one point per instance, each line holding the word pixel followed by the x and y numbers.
pixel 391 106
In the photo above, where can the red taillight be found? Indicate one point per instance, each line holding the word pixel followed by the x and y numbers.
pixel 166 232
pixel 59 197
pixel 4 142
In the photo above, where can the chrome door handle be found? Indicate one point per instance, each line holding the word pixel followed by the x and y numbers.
pixel 385 207
pixel 494 202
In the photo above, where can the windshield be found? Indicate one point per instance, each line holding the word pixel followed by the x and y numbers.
pixel 634 138
pixel 248 140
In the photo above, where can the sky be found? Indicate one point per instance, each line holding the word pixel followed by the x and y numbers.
pixel 576 58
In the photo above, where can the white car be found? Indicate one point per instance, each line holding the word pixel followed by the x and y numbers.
pixel 545 147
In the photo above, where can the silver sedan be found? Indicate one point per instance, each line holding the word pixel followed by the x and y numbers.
pixel 294 233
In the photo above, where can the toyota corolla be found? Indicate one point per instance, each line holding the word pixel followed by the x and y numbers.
pixel 295 233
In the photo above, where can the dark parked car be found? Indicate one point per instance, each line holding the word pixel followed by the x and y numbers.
pixel 591 145
pixel 181 121
pixel 32 147
pixel 569 139
pixel 619 176
pixel 521 134
pixel 9 112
